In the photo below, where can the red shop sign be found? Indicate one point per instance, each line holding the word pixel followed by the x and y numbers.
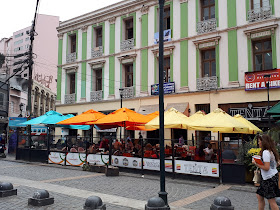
pixel 255 80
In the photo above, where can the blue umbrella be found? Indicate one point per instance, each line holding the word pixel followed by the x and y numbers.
pixel 53 117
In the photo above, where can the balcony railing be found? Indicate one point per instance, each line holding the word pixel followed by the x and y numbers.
pixel 206 26
pixel 71 57
pixel 127 44
pixel 207 83
pixel 70 98
pixel 97 52
pixel 128 92
pixel 261 13
pixel 96 95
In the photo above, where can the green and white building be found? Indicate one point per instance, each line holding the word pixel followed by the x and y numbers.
pixel 210 44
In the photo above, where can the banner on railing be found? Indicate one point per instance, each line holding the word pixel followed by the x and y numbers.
pixel 154 164
pixel 97 159
pixel 56 158
pixel 128 162
pixel 197 168
pixel 75 159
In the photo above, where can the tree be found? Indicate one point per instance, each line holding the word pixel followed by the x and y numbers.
pixel 2 59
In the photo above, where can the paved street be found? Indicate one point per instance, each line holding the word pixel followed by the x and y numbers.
pixel 71 186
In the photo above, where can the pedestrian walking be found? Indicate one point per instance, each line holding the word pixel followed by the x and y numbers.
pixel 269 184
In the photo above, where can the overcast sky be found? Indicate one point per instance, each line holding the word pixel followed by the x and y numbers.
pixel 18 14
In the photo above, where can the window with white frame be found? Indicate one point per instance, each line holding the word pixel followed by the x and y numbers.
pixel 262 55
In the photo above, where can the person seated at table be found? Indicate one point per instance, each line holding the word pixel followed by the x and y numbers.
pixel 129 146
pixel 181 141
pixel 148 147
pixel 208 152
pixel 104 144
pixel 92 149
pixel 117 145
pixel 137 149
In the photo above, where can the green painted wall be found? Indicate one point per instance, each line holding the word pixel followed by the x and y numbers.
pixel 273 8
pixel 218 63
pixel 121 69
pixel 274 51
pixel 197 64
pixel 249 48
pixel 111 75
pixel 184 63
pixel 144 70
pixel 232 55
pixel 217 11
pixel 112 39
pixel 59 69
pixel 76 86
pixel 231 13
pixel 247 2
pixel 84 65
pixel 184 20
pixel 144 30
pixel 171 68
pixel 197 11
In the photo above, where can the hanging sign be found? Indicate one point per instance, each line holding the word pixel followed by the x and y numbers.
pixel 256 81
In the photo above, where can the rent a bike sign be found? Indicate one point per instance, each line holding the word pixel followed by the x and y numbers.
pixel 255 80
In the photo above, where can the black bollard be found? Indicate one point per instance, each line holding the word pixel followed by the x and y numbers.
pixel 156 203
pixel 94 202
pixel 40 198
pixel 7 189
pixel 222 203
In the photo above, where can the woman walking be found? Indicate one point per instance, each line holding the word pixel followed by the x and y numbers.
pixel 269 184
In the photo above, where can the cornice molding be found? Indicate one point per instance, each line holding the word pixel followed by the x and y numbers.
pixel 112 20
pixel 199 43
pixel 260 29
pixel 60 36
pixel 166 48
pixel 84 28
pixel 144 10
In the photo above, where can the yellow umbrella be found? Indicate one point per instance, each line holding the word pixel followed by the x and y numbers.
pixel 252 128
pixel 219 121
pixel 172 119
pixel 196 116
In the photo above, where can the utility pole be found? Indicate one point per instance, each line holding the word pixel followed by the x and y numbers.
pixel 30 65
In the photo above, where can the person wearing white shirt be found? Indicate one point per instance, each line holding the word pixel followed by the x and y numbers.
pixel 269 184
pixel 208 152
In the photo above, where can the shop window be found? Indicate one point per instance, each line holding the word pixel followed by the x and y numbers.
pixel 128 28
pixel 166 69
pixel 207 9
pixel 98 34
pixel 128 75
pixel 262 55
pixel 203 107
pixel 208 63
pixel 257 4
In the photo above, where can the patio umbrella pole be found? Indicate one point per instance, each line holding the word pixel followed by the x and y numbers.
pixel 173 158
pixel 220 158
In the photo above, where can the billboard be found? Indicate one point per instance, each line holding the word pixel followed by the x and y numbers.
pixel 255 80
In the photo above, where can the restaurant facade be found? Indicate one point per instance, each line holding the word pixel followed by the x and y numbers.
pixel 213 58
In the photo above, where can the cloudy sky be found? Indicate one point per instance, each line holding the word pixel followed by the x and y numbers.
pixel 18 14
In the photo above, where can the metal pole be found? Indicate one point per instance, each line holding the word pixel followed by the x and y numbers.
pixel 173 159
pixel 269 121
pixel 162 192
pixel 142 156
pixel 121 127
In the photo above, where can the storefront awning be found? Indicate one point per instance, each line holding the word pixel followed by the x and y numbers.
pixel 181 107
pixel 148 109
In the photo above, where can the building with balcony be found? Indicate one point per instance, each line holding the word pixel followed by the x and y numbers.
pixel 209 47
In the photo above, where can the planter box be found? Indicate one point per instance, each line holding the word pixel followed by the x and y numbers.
pixel 97 168
pixel 233 173
pixel 112 171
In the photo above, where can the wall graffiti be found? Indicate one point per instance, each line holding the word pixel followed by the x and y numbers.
pixel 43 79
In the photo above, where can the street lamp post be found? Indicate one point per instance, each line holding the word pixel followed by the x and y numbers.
pixel 267 80
pixel 121 96
pixel 162 193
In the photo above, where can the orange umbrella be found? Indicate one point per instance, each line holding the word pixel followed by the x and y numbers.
pixel 86 117
pixel 152 115
pixel 138 128
pixel 122 117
